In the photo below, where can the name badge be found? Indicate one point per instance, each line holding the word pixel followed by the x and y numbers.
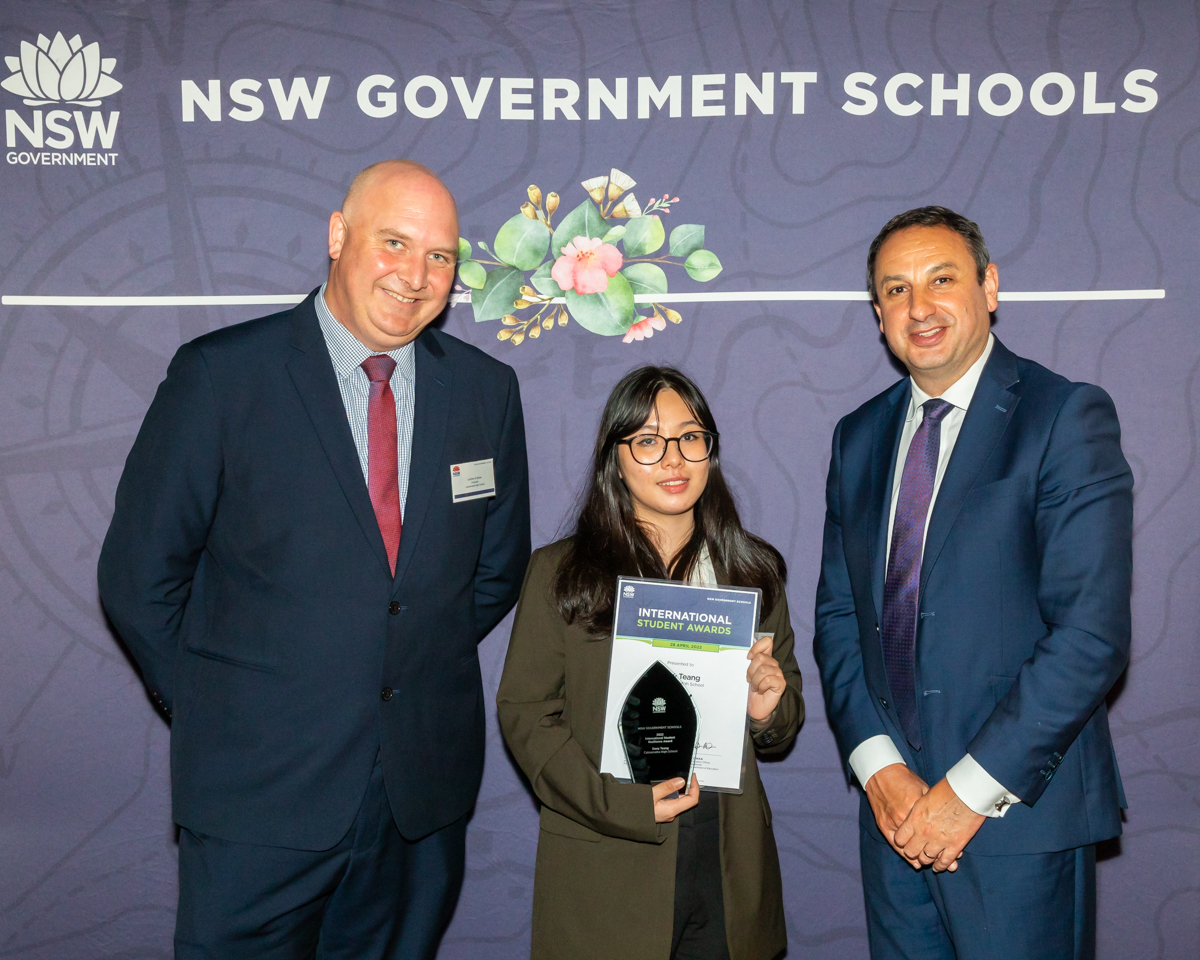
pixel 470 481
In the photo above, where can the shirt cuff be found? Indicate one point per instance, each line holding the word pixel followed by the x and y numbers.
pixel 978 789
pixel 872 755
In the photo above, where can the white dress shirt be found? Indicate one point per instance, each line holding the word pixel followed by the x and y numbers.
pixel 347 354
pixel 973 785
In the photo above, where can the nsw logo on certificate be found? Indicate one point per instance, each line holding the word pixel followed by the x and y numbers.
pixel 677 688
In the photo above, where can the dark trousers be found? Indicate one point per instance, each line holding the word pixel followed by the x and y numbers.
pixel 1037 906
pixel 699 932
pixel 373 896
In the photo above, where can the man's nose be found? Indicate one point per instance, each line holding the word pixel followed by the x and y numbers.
pixel 414 272
pixel 921 305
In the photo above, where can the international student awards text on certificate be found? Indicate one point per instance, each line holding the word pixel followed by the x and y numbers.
pixel 701 634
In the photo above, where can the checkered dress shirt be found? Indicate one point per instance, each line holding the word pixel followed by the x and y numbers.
pixel 347 353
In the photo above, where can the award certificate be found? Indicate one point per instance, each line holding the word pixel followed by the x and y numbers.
pixel 701 635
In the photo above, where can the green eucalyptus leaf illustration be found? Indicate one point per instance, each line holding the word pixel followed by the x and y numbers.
pixel 615 234
pixel 543 283
pixel 522 242
pixel 472 274
pixel 686 239
pixel 643 235
pixel 495 298
pixel 464 248
pixel 702 265
pixel 609 313
pixel 583 221
pixel 646 278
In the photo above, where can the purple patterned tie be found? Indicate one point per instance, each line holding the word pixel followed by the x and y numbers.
pixel 902 587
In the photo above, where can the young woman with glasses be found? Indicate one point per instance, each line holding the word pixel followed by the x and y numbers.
pixel 662 872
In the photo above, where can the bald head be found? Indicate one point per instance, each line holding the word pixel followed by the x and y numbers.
pixel 390 175
pixel 393 248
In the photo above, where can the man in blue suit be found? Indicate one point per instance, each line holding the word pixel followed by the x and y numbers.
pixel 971 616
pixel 324 511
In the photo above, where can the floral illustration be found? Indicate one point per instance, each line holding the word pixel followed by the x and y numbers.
pixel 585 265
pixel 597 266
pixel 60 71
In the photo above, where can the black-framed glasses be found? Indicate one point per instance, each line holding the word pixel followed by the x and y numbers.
pixel 649 448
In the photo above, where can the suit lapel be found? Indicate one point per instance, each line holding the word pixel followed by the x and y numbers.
pixel 888 427
pixel 313 375
pixel 991 408
pixel 432 392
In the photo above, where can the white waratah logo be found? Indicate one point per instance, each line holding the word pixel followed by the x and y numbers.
pixel 61 71
pixel 628 591
pixel 659 705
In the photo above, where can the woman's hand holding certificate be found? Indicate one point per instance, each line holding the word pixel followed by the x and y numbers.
pixel 766 680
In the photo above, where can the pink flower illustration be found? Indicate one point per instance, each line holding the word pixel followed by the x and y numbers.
pixel 644 328
pixel 585 265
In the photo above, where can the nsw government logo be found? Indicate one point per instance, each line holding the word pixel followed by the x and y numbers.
pixel 65 73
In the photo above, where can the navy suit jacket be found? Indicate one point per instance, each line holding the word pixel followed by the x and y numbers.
pixel 245 570
pixel 1024 602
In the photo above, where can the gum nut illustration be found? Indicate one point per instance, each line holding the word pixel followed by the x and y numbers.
pixel 618 183
pixel 595 187
pixel 585 265
pixel 629 207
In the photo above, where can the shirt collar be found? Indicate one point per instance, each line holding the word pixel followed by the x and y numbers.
pixel 348 352
pixel 703 572
pixel 961 391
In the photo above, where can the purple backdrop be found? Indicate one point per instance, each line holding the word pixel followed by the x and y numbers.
pixel 144 168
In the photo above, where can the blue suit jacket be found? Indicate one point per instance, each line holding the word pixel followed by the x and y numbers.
pixel 1024 605
pixel 245 570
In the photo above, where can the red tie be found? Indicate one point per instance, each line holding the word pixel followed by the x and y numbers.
pixel 382 467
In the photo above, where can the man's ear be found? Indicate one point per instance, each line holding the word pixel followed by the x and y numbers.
pixel 991 287
pixel 878 313
pixel 337 234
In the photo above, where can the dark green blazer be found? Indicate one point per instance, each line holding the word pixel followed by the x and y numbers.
pixel 604 885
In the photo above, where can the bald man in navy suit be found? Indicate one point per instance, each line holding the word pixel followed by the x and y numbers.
pixel 972 615
pixel 303 578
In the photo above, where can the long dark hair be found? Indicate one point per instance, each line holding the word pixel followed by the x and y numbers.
pixel 609 541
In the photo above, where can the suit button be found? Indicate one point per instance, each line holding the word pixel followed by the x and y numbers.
pixel 883 703
pixel 393 609
pixel 385 694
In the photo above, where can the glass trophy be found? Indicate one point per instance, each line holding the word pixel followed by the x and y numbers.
pixel 658 727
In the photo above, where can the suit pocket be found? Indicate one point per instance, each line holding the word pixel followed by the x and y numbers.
pixel 231 661
pixel 766 806
pixel 561 826
pixel 1008 487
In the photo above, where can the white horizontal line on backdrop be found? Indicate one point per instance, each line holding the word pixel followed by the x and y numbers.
pixel 747 296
